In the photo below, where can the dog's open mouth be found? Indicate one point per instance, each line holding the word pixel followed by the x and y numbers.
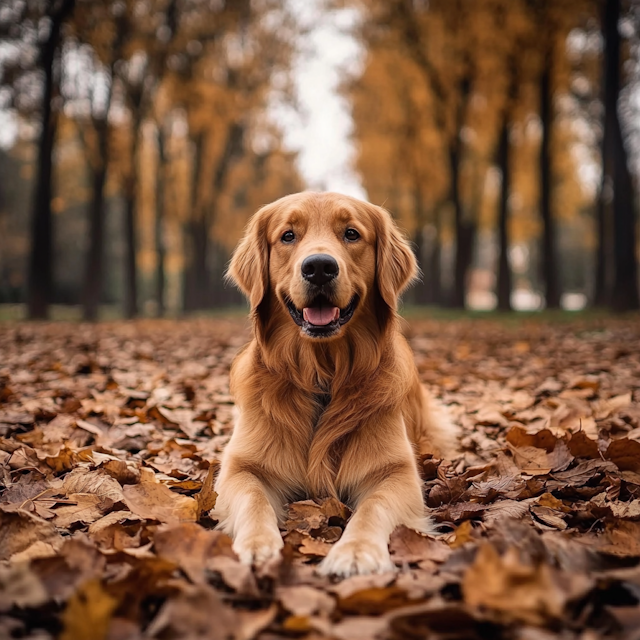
pixel 322 318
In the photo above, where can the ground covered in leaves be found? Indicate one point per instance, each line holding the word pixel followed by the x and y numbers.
pixel 109 442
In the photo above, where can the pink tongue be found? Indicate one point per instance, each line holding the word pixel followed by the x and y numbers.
pixel 320 315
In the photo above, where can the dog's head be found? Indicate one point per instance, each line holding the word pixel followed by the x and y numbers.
pixel 325 258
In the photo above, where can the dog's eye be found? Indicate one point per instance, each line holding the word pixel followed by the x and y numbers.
pixel 288 237
pixel 351 235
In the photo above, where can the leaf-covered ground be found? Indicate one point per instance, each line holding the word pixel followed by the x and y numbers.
pixel 109 441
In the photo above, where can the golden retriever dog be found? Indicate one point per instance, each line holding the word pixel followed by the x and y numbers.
pixel 328 397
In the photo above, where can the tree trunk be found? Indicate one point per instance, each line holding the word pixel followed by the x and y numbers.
pixel 465 233
pixel 434 262
pixel 130 235
pixel 550 274
pixel 625 283
pixel 40 277
pixel 422 294
pixel 196 238
pixel 604 250
pixel 624 296
pixel 161 250
pixel 604 257
pixel 504 270
pixel 198 234
pixel 94 262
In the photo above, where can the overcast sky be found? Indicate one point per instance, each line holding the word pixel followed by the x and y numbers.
pixel 321 132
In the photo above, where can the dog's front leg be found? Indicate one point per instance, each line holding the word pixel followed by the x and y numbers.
pixel 245 504
pixel 394 500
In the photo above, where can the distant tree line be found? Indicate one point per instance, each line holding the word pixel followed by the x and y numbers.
pixel 500 132
pixel 158 106
pixel 513 116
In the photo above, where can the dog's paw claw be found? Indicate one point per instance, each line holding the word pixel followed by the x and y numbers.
pixel 356 557
pixel 259 548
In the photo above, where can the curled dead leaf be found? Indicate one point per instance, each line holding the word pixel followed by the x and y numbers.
pixel 96 482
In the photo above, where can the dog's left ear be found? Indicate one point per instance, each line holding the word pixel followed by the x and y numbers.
pixel 249 267
pixel 396 266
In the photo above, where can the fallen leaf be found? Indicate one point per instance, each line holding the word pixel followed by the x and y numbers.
pixel 206 498
pixel 86 508
pixel 20 587
pixel 626 510
pixel 190 546
pixel 96 482
pixel 235 575
pixel 314 547
pixel 197 612
pixel 625 454
pixel 305 601
pixel 21 531
pixel 544 439
pixel 88 613
pixel 581 446
pixel 155 501
pixel 124 472
pixel 513 591
pixel 407 546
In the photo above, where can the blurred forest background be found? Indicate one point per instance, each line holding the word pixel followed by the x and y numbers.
pixel 138 136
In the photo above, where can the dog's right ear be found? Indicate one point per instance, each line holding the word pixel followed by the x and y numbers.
pixel 249 267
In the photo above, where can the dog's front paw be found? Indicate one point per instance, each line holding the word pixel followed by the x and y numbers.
pixel 353 557
pixel 258 548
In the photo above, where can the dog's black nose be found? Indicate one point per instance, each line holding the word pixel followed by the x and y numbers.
pixel 319 268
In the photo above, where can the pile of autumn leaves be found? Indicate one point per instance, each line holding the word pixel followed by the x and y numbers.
pixel 109 442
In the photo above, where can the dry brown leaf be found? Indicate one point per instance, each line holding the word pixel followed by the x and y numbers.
pixel 86 508
pixel 29 486
pixel 463 534
pixel 20 587
pixel 626 510
pixel 190 546
pixel 302 600
pixel 97 482
pixel 605 408
pixel 206 498
pixel 374 601
pixel 581 446
pixel 123 471
pixel 77 562
pixel 114 517
pixel 156 502
pixel 236 575
pixel 21 531
pixel 360 628
pixel 625 454
pixel 584 472
pixel 353 585
pixel 550 517
pixel 250 623
pixel 304 516
pixel 621 538
pixel 88 613
pixel 407 546
pixel 197 612
pixel 314 547
pixel 513 591
pixel 544 439
pixel 507 509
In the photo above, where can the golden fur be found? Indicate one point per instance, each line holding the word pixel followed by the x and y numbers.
pixel 336 416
